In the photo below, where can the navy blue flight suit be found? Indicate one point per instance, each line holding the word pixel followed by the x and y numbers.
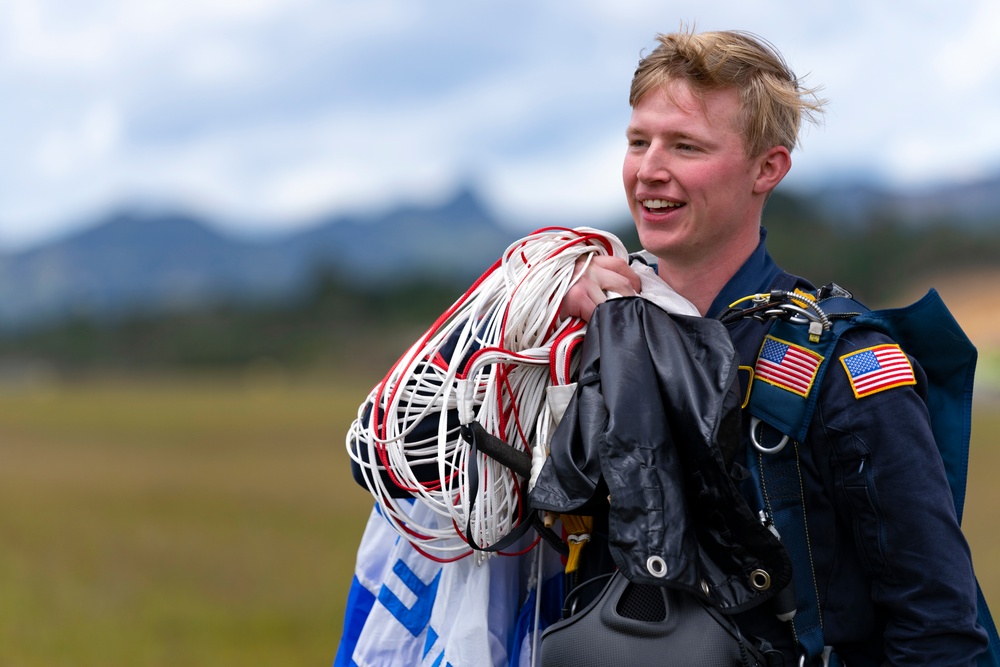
pixel 893 570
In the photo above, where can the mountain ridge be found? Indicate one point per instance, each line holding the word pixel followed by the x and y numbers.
pixel 163 260
pixel 137 260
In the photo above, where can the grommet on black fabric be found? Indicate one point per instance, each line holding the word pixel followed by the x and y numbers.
pixel 704 587
pixel 760 580
pixel 656 566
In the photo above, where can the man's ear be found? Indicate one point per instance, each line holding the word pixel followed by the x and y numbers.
pixel 772 166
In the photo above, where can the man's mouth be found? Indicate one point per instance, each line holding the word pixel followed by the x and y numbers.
pixel 658 204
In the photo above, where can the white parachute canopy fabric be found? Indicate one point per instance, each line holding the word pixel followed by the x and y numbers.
pixel 490 356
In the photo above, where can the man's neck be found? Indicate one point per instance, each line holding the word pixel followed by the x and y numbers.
pixel 700 281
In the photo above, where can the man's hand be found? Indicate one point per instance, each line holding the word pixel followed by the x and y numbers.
pixel 604 274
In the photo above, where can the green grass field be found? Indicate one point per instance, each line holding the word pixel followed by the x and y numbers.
pixel 194 523
pixel 215 522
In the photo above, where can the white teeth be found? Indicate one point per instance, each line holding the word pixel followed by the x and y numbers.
pixel 658 203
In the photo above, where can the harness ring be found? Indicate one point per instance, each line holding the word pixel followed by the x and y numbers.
pixel 754 423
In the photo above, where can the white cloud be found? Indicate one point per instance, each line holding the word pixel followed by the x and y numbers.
pixel 970 57
pixel 81 146
pixel 581 187
pixel 279 110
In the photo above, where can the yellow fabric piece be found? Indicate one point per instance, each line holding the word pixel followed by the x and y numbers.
pixel 578 529
pixel 805 295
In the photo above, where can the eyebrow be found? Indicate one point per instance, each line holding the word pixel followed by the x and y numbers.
pixel 631 131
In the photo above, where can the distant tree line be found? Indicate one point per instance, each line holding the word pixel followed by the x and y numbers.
pixel 879 260
pixel 334 324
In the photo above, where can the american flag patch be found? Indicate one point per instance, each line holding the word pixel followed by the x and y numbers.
pixel 875 369
pixel 787 365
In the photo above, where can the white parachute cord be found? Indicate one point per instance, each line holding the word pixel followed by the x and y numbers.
pixel 490 358
pixel 563 367
pixel 423 389
pixel 525 381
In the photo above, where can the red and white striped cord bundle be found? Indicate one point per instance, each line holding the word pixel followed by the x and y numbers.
pixel 509 346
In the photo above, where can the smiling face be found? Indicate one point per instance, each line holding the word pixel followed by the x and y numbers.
pixel 695 196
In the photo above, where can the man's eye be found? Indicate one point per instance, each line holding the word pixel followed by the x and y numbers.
pixel 686 147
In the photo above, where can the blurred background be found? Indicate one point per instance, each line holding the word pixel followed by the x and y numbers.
pixel 221 221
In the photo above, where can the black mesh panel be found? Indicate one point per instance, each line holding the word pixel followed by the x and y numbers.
pixel 642 603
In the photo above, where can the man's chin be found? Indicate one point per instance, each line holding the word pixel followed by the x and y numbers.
pixel 656 243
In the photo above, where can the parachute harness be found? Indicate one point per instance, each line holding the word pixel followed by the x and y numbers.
pixel 492 356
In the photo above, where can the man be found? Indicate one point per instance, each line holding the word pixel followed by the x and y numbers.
pixel 715 117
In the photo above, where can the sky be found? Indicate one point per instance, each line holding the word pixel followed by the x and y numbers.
pixel 269 115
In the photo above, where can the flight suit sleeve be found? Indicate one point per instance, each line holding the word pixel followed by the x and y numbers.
pixel 891 491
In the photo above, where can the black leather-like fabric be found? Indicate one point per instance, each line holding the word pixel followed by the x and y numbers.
pixel 656 408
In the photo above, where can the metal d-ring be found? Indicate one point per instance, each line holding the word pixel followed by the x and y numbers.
pixel 754 423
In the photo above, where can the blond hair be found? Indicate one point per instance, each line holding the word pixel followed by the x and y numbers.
pixel 772 99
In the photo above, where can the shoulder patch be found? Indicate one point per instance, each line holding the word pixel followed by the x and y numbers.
pixel 787 365
pixel 876 369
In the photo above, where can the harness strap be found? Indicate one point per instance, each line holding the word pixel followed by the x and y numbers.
pixel 780 486
pixel 783 396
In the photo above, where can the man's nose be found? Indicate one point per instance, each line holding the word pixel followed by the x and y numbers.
pixel 655 165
